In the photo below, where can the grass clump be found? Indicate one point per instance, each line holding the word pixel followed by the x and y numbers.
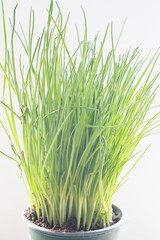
pixel 82 116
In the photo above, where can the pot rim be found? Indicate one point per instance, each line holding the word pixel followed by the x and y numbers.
pixel 79 234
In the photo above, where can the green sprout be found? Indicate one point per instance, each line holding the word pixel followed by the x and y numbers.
pixel 82 116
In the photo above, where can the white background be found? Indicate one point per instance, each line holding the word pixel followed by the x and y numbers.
pixel 140 196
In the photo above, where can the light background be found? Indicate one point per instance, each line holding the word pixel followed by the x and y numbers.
pixel 140 196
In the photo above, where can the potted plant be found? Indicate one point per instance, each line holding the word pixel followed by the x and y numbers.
pixel 82 116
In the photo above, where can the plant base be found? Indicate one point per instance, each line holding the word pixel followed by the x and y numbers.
pixel 109 233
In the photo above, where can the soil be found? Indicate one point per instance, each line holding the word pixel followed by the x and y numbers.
pixel 69 225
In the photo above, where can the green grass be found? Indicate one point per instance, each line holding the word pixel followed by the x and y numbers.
pixel 82 116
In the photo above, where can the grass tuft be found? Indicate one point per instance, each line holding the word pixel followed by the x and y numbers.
pixel 82 116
